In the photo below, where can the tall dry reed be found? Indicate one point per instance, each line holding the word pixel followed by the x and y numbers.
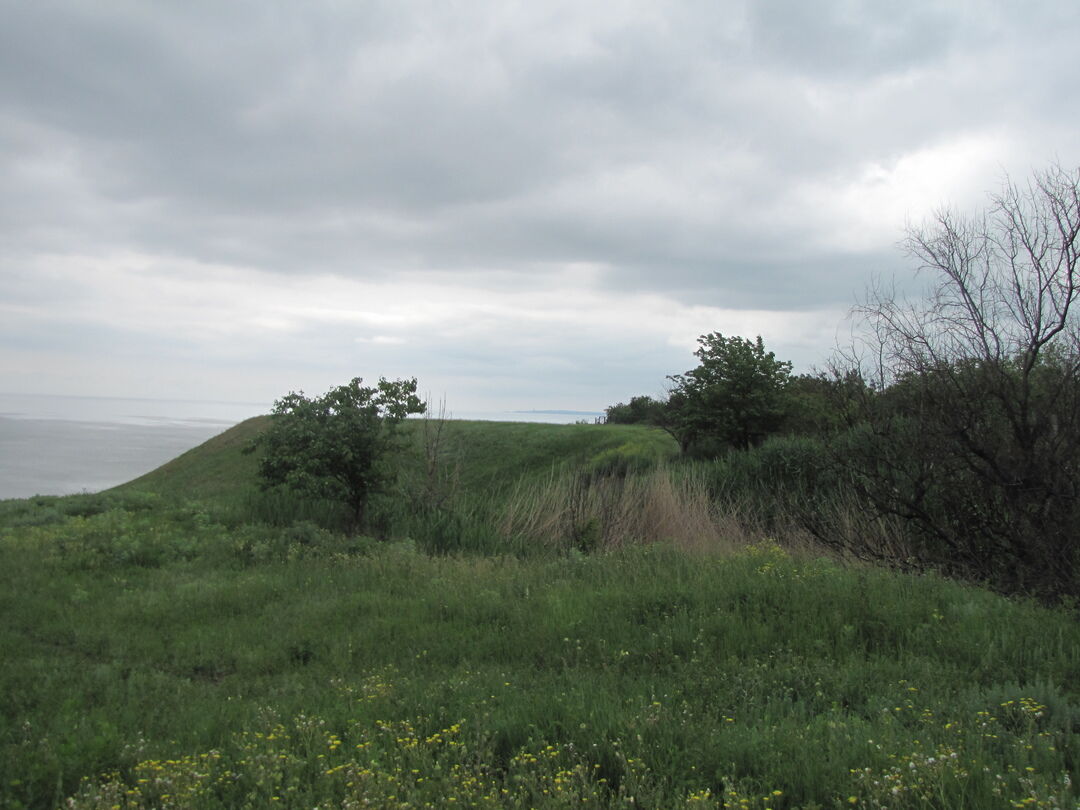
pixel 593 512
pixel 676 505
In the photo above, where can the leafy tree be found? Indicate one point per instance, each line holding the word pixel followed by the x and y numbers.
pixel 819 404
pixel 643 410
pixel 337 446
pixel 735 397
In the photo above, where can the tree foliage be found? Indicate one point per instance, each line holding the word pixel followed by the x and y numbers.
pixel 337 446
pixel 735 397
pixel 817 404
pixel 642 410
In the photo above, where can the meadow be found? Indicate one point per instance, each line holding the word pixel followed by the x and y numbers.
pixel 543 616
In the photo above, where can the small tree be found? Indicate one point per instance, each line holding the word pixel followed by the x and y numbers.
pixel 735 397
pixel 336 446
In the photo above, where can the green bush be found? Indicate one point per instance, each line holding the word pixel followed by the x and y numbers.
pixel 627 458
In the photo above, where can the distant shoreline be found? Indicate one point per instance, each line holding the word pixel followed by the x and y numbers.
pixel 557 412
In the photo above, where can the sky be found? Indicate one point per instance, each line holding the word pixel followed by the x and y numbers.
pixel 525 205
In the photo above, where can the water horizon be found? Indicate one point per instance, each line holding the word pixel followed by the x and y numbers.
pixel 57 444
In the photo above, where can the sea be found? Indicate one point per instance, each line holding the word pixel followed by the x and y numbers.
pixel 62 445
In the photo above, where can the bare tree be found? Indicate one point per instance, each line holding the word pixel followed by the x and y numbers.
pixel 440 475
pixel 972 432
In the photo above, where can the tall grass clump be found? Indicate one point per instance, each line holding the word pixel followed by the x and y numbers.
pixel 281 507
pixel 590 511
pixel 788 488
pixel 795 487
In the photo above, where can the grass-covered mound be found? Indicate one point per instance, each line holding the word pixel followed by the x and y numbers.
pixel 162 652
pixel 217 468
pixel 479 456
pixel 460 485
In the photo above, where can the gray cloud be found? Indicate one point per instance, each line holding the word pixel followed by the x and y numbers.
pixel 862 39
pixel 739 155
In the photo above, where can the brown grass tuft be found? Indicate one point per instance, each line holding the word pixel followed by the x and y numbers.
pixel 591 512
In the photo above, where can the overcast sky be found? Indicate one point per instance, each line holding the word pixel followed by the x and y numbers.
pixel 523 204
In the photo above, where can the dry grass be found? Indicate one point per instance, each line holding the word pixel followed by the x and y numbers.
pixel 607 512
pixel 674 505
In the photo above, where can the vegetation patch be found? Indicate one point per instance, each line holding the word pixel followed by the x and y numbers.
pixel 159 656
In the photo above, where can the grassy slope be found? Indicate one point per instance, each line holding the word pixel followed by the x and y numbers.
pixel 495 454
pixel 215 467
pixel 485 455
pixel 227 666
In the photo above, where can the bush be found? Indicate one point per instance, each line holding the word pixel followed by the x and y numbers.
pixel 972 428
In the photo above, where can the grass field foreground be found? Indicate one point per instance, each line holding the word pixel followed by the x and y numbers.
pixel 158 654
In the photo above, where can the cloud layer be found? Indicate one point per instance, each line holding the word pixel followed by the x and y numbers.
pixel 524 204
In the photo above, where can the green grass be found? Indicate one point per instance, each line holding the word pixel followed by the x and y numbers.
pixel 454 479
pixel 163 652
pixel 214 470
pixel 482 456
pixel 495 455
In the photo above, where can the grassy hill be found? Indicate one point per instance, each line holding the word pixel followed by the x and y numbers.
pixel 216 468
pixel 483 455
pixel 163 647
